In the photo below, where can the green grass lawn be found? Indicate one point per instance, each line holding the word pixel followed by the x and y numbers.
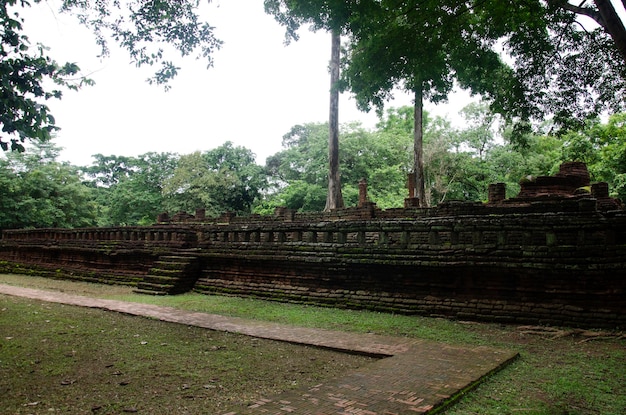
pixel 567 374
pixel 56 358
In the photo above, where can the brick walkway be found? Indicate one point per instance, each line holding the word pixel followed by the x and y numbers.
pixel 415 377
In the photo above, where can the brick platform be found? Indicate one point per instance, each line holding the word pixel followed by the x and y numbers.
pixel 415 376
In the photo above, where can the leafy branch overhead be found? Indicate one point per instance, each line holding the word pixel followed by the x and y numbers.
pixel 22 73
pixel 143 28
pixel 531 60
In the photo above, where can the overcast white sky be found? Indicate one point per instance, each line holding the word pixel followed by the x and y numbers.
pixel 258 89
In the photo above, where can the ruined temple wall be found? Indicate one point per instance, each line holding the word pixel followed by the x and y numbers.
pixel 534 297
pixel 534 267
pixel 556 254
pixel 115 255
pixel 126 267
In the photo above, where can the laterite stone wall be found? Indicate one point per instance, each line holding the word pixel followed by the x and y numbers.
pixel 564 269
pixel 554 255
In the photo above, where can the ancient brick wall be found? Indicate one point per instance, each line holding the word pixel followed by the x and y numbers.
pixel 523 268
pixel 108 255
pixel 555 254
pixel 464 260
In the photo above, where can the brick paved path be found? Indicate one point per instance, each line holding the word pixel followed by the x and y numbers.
pixel 415 377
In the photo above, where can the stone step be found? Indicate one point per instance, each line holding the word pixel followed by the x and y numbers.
pixel 153 285
pixel 172 273
pixel 149 291
pixel 177 258
pixel 161 289
pixel 171 265
pixel 160 279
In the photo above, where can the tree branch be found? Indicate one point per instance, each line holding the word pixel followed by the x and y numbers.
pixel 605 15
pixel 585 11
pixel 613 25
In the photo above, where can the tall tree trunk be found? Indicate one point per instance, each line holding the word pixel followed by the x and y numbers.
pixel 613 25
pixel 334 199
pixel 418 147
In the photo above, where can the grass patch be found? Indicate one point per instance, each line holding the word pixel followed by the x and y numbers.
pixel 59 358
pixel 554 376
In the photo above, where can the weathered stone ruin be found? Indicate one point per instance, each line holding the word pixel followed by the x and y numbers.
pixel 555 254
pixel 572 182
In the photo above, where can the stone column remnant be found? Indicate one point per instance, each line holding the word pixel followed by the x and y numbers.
pixel 362 192
pixel 497 192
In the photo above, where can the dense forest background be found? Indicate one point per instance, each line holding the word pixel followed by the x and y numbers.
pixel 40 191
pixel 529 61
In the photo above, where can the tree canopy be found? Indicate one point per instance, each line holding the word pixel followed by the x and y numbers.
pixel 22 75
pixel 129 190
pixel 223 179
pixel 553 63
pixel 460 163
pixel 569 69
pixel 143 28
pixel 529 59
pixel 39 191
pixel 147 29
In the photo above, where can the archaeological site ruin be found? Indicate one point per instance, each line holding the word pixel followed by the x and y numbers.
pixel 555 254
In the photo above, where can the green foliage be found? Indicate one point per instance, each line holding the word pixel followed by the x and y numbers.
pixel 37 191
pixel 297 195
pixel 414 45
pixel 25 79
pixel 556 65
pixel 603 147
pixel 567 69
pixel 418 46
pixel 130 188
pixel 29 77
pixel 454 168
pixel 299 171
pixel 298 174
pixel 224 179
pixel 107 171
pixel 305 156
pixel 144 28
